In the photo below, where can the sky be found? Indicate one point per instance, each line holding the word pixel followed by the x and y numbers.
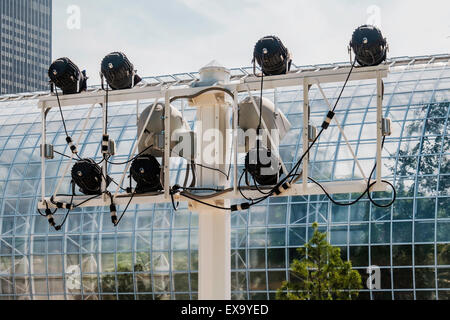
pixel 174 36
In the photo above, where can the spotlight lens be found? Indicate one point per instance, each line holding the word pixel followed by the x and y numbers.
pixel 264 168
pixel 87 175
pixel 145 170
pixel 272 56
pixel 369 46
pixel 118 71
pixel 67 76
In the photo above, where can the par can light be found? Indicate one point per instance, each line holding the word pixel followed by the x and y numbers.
pixel 272 56
pixel 369 46
pixel 146 171
pixel 263 167
pixel 87 175
pixel 67 76
pixel 119 71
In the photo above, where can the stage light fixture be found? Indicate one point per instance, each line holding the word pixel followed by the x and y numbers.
pixel 152 142
pixel 65 74
pixel 272 56
pixel 275 120
pixel 264 167
pixel 119 72
pixel 146 171
pixel 87 175
pixel 369 46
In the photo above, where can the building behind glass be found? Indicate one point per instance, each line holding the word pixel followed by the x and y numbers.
pixel 153 254
pixel 25 45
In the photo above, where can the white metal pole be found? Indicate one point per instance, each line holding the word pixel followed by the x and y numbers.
pixel 379 124
pixel 167 144
pixel 305 133
pixel 214 263
pixel 44 142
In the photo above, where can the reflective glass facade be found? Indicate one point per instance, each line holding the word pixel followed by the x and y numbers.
pixel 25 45
pixel 153 253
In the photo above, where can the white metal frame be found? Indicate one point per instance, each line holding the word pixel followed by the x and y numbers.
pixel 214 224
pixel 244 85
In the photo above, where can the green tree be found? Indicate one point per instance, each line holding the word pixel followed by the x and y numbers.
pixel 121 280
pixel 321 274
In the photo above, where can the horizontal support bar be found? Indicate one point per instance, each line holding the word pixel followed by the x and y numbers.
pixel 336 187
pixel 254 83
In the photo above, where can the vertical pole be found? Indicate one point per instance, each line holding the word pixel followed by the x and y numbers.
pixel 137 112
pixel 43 143
pixel 105 163
pixel 214 261
pixel 235 139
pixel 379 124
pixel 305 132
pixel 167 150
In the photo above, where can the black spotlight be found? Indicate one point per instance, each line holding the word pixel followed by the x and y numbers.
pixel 87 175
pixel 119 71
pixel 146 170
pixel 67 76
pixel 272 56
pixel 261 167
pixel 369 46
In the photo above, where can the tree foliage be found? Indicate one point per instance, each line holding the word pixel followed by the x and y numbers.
pixel 321 274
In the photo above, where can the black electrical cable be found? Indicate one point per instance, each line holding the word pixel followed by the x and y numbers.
pixel 62 154
pixel 202 92
pixel 126 208
pixel 201 189
pixel 294 172
pixel 227 175
pixel 68 138
pixel 114 182
pixel 172 193
pixel 130 160
pixel 367 191
pixel 69 209
pixel 323 129
pixel 60 111
pixel 40 212
pixel 204 203
pixel 394 197
pixel 57 228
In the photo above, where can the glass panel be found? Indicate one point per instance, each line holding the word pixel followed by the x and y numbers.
pixel 403 279
pixel 359 256
pixel 424 255
pixel 425 278
pixel 258 281
pixel 424 232
pixel 402 255
pixel 380 255
pixel 402 232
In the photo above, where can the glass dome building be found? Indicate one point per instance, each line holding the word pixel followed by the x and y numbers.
pixel 153 253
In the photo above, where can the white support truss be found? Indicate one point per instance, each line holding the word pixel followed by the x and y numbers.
pixel 243 85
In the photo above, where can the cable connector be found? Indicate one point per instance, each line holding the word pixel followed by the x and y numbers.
pixel 72 147
pixel 327 122
pixel 176 190
pixel 50 218
pixel 113 210
pixel 68 206
pixel 284 187
pixel 105 144
pixel 240 207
